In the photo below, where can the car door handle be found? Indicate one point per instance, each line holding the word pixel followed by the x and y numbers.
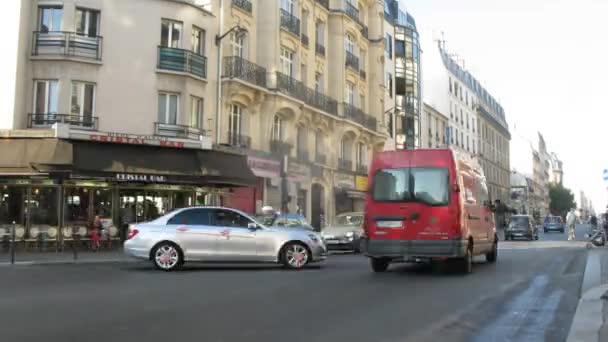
pixel 471 217
pixel 182 229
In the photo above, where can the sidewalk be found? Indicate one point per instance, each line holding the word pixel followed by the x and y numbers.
pixel 66 257
pixel 590 323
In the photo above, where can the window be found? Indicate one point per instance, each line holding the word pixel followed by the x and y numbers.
pixel 457 141
pixel 277 128
pixel 467 97
pixel 349 44
pixel 170 33
pixel 319 143
pixel 467 120
pixel 389 84
pixel 301 137
pixel 319 83
pixel 467 143
pixel 423 185
pixel 450 89
pixel 362 155
pixel 237 43
pixel 83 100
pixel 389 46
pixel 461 139
pixel 350 93
pixel 345 149
pixel 319 33
pixel 461 117
pixel 196 112
pixel 87 22
pixel 362 101
pixel 304 22
pixel 198 40
pixel 303 74
pixel 229 218
pixel 45 97
pixel 399 48
pixel 191 217
pixel 168 106
pixel 287 62
pixel 234 120
pixel 451 105
pixel 49 18
pixel 288 5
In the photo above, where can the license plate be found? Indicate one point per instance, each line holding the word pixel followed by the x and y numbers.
pixel 518 234
pixel 389 224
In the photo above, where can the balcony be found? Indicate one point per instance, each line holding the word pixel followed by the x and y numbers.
pixel 344 164
pixel 238 140
pixel 365 32
pixel 290 22
pixel 351 11
pixel 39 120
pixel 178 131
pixel 303 156
pixel 357 115
pixel 245 70
pixel 362 169
pixel 321 158
pixel 320 49
pixel 244 5
pixel 294 88
pixel 324 3
pixel 352 61
pixel 279 147
pixel 362 74
pixel 304 39
pixel 180 60
pixel 67 44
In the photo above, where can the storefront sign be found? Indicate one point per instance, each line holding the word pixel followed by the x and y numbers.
pixel 264 168
pixel 361 183
pixel 344 181
pixel 145 140
pixel 298 173
pixel 129 177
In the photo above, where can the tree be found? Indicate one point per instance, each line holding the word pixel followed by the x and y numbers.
pixel 561 199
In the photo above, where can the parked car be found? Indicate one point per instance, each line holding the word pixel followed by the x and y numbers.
pixel 292 221
pixel 217 234
pixel 428 204
pixel 521 226
pixel 345 233
pixel 553 223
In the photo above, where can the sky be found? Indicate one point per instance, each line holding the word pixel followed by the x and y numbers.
pixel 546 61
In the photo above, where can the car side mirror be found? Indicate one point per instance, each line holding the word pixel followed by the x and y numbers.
pixel 252 226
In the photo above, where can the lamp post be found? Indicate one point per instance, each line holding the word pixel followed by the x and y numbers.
pixel 240 32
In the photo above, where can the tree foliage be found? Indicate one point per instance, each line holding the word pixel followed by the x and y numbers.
pixel 561 199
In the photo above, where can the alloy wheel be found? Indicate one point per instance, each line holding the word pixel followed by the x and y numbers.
pixel 166 257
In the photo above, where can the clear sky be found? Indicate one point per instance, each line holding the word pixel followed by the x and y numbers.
pixel 546 61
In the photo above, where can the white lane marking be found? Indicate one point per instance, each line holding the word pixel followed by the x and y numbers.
pixel 541 244
pixel 593 271
pixel 520 312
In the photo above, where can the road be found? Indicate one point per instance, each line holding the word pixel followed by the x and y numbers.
pixel 529 295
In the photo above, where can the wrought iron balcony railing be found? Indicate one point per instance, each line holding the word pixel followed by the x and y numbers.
pixel 178 131
pixel 66 44
pixel 290 22
pixel 320 49
pixel 181 60
pixel 245 70
pixel 304 39
pixel 298 90
pixel 362 169
pixel 352 61
pixel 357 115
pixel 238 140
pixel 321 158
pixel 40 120
pixel 351 11
pixel 280 147
pixel 345 164
pixel 245 5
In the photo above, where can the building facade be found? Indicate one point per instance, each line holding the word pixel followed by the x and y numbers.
pixel 434 128
pixel 557 170
pixel 402 76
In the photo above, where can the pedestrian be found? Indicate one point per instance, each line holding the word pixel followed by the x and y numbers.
pixel 571 222
pixel 95 243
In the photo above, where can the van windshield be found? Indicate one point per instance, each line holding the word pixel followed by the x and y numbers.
pixel 423 185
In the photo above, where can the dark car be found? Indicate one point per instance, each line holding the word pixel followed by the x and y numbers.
pixel 521 227
pixel 553 223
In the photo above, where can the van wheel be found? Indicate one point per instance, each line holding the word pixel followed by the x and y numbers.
pixel 465 264
pixel 493 254
pixel 380 264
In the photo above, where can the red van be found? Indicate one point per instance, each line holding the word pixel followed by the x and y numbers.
pixel 427 205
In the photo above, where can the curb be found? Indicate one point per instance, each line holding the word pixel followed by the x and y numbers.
pixel 588 319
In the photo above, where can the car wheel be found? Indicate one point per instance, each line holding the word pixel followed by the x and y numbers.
pixel 358 246
pixel 294 256
pixel 380 264
pixel 167 256
pixel 465 264
pixel 493 254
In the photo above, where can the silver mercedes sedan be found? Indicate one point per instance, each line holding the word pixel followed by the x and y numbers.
pixel 217 234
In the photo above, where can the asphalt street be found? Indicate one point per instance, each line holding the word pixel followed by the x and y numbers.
pixel 530 294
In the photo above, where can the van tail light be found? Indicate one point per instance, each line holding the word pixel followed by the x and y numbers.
pixel 132 232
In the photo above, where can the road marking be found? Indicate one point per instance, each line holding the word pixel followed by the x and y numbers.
pixel 541 244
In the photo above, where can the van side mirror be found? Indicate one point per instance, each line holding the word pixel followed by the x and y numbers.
pixel 455 188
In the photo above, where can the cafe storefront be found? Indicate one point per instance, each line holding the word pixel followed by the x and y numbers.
pixel 52 190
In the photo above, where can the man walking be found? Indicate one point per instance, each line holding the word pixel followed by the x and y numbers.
pixel 571 222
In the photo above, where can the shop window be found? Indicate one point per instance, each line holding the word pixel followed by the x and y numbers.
pixel 43 213
pixel 12 209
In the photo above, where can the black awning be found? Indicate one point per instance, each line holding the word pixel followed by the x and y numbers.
pixel 188 165
pixel 34 155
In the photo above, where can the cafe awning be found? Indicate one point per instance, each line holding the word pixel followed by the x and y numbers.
pixel 29 156
pixel 184 165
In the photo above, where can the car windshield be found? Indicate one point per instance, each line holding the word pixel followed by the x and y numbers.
pixel 266 220
pixel 519 221
pixel 553 219
pixel 423 185
pixel 349 220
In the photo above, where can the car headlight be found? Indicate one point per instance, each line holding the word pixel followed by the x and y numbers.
pixel 314 238
pixel 350 234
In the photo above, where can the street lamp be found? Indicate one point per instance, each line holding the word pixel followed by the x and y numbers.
pixel 240 33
